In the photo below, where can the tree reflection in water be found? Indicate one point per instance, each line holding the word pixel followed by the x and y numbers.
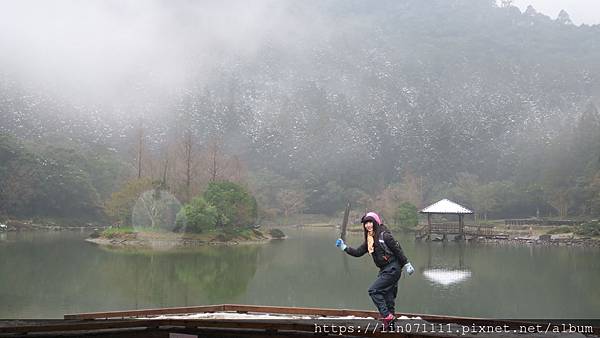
pixel 211 274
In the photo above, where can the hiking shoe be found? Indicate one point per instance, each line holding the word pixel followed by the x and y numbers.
pixel 387 320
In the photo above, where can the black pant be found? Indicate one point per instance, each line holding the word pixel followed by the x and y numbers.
pixel 384 289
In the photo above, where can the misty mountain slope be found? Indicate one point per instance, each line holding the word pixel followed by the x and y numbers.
pixel 329 90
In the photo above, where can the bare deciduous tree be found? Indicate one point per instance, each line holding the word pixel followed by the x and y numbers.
pixel 187 155
pixel 560 199
pixel 292 202
pixel 412 189
pixel 215 160
pixel 139 149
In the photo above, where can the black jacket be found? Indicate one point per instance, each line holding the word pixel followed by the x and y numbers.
pixel 381 257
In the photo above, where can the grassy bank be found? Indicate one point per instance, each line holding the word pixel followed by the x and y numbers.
pixel 160 238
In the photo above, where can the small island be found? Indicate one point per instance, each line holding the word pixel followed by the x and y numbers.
pixel 130 237
pixel 224 214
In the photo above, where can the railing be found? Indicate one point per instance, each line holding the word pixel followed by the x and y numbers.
pixel 454 228
pixel 445 228
pixel 479 230
pixel 533 221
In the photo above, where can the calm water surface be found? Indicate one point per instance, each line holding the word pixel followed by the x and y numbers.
pixel 50 274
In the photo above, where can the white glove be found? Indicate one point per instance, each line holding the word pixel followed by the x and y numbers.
pixel 340 244
pixel 408 268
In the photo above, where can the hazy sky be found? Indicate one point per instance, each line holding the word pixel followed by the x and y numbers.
pixel 104 47
pixel 580 11
pixel 96 46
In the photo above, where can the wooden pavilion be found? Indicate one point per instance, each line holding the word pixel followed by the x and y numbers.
pixel 446 207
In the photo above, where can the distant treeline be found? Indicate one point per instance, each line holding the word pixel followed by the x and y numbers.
pixel 47 180
pixel 396 101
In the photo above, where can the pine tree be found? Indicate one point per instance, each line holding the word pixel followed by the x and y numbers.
pixel 563 18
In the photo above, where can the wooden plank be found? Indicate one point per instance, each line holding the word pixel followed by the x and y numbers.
pixel 145 312
pixel 272 324
pixel 263 309
pixel 264 325
pixel 268 324
pixel 222 307
pixel 81 326
pixel 237 333
pixel 358 313
pixel 345 222
pixel 261 324
pixel 245 326
pixel 300 310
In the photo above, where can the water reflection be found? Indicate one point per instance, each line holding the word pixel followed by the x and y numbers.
pixel 446 277
pixel 66 275
pixel 50 274
pixel 206 275
pixel 440 271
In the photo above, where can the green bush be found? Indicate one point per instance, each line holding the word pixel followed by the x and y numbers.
pixel 561 230
pixel 114 232
pixel 591 228
pixel 406 215
pixel 196 216
pixel 235 206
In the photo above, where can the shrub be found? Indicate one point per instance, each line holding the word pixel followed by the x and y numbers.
pixel 561 230
pixel 591 228
pixel 406 215
pixel 115 232
pixel 196 216
pixel 235 206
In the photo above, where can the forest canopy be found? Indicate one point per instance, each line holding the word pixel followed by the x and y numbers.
pixel 380 103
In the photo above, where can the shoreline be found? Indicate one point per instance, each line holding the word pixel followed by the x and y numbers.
pixel 165 244
pixel 514 237
pixel 586 242
pixel 170 240
pixel 29 225
pixel 533 240
pixel 153 240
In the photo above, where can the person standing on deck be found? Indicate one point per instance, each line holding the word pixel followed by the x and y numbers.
pixel 389 258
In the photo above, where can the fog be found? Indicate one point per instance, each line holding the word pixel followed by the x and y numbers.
pixel 334 99
pixel 581 11
pixel 104 50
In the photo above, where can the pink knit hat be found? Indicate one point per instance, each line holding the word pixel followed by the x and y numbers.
pixel 371 216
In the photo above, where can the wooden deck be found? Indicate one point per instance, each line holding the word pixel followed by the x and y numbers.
pixel 144 323
pixel 454 229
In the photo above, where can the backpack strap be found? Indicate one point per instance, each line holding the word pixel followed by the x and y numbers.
pixel 388 253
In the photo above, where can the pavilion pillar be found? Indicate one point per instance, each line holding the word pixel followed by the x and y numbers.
pixel 429 225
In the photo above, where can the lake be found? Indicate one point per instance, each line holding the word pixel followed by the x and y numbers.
pixel 48 274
